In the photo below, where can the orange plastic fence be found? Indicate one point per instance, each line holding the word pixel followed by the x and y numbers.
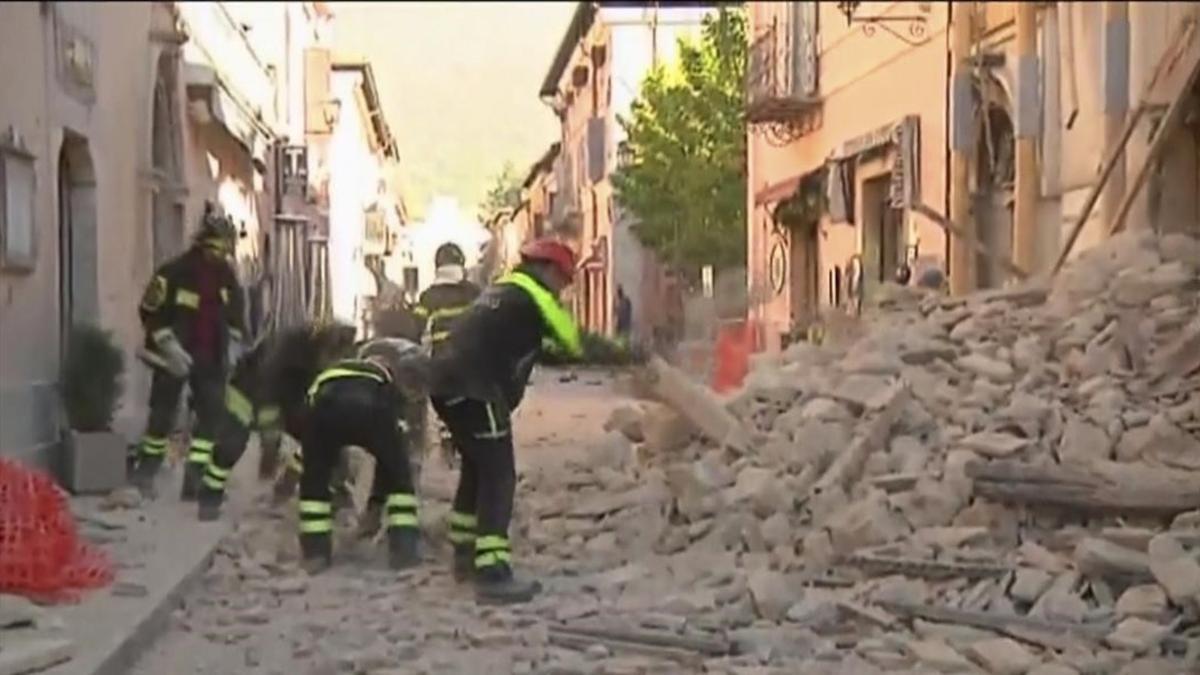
pixel 735 342
pixel 41 553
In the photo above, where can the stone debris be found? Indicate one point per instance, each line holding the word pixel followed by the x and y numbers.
pixel 860 478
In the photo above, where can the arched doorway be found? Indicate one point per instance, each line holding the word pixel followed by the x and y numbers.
pixel 77 238
pixel 165 141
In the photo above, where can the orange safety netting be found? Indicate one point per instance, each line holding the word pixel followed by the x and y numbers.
pixel 41 553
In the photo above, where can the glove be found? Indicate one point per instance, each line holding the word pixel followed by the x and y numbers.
pixel 234 351
pixel 178 361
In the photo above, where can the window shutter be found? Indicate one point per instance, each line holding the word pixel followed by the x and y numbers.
pixel 804 29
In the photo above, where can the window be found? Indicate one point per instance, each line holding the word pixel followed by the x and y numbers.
pixel 17 235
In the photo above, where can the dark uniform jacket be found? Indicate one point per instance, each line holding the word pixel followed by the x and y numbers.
pixel 442 305
pixel 172 301
pixel 491 350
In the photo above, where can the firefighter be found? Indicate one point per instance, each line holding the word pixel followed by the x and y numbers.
pixel 440 306
pixel 250 404
pixel 478 378
pixel 192 312
pixel 359 402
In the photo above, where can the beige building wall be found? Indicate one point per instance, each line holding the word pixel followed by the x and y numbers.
pixel 864 83
pixel 106 134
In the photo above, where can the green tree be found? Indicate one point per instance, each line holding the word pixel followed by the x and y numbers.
pixel 685 181
pixel 505 193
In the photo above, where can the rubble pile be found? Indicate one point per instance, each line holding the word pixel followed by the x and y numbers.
pixel 1004 483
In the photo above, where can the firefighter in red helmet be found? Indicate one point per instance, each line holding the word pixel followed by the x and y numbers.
pixel 479 377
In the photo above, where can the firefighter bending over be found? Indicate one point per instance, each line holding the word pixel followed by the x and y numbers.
pixel 192 314
pixel 478 378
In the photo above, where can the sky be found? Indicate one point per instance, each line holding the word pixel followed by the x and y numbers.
pixel 459 86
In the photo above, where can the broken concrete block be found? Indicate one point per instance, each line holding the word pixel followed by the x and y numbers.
pixel 1104 559
pixel 627 420
pixel 824 410
pixel 1029 583
pixel 1053 669
pixel 1146 601
pixel 1083 442
pixel 17 611
pixel 1137 635
pixel 1174 569
pixel 868 522
pixel 993 444
pixel 665 431
pixel 983 366
pixel 866 392
pixel 773 593
pixel 932 503
pixel 938 656
pixel 1002 656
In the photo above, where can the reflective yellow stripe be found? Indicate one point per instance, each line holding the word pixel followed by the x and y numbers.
pixel 268 415
pixel 202 444
pixel 315 507
pixel 460 537
pixel 491 435
pixel 199 457
pixel 218 472
pixel 401 500
pixel 562 326
pixel 335 373
pixel 447 312
pixel 491 417
pixel 464 520
pixel 238 405
pixel 214 482
pixel 439 336
pixel 491 542
pixel 186 298
pixel 154 450
pixel 402 520
pixel 492 558
pixel 316 526
pixel 420 310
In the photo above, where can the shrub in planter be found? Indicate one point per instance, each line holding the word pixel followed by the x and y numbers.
pixel 91 387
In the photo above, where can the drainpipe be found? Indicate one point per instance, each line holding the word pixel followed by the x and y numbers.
pixel 1115 80
pixel 962 255
pixel 1027 123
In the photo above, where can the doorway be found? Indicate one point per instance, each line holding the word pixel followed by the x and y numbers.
pixel 804 277
pixel 77 239
pixel 882 236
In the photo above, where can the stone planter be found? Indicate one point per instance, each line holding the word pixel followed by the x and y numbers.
pixel 93 462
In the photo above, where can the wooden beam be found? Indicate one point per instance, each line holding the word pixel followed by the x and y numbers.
pixel 957 232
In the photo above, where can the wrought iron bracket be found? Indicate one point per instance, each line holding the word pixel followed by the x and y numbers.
pixel 916 32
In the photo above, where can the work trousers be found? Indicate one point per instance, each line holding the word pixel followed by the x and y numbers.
pixel 207 386
pixel 353 411
pixel 483 503
pixel 240 417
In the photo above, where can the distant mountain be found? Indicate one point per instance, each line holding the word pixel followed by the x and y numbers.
pixel 459 84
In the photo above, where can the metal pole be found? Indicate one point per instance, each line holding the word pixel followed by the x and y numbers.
pixel 1027 123
pixel 962 262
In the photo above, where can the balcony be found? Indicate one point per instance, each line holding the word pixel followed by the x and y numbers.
pixel 781 77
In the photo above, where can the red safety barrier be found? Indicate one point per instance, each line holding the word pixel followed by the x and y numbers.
pixel 41 554
pixel 735 342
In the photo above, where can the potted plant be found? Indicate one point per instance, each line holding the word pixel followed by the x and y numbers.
pixel 91 386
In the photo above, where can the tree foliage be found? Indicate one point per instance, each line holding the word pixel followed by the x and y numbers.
pixel 505 192
pixel 685 181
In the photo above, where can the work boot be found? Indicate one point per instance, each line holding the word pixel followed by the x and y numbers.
pixel 285 487
pixel 496 584
pixel 464 562
pixel 371 521
pixel 144 473
pixel 316 552
pixel 193 474
pixel 209 503
pixel 403 550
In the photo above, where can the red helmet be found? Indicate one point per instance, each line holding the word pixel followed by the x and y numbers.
pixel 554 252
